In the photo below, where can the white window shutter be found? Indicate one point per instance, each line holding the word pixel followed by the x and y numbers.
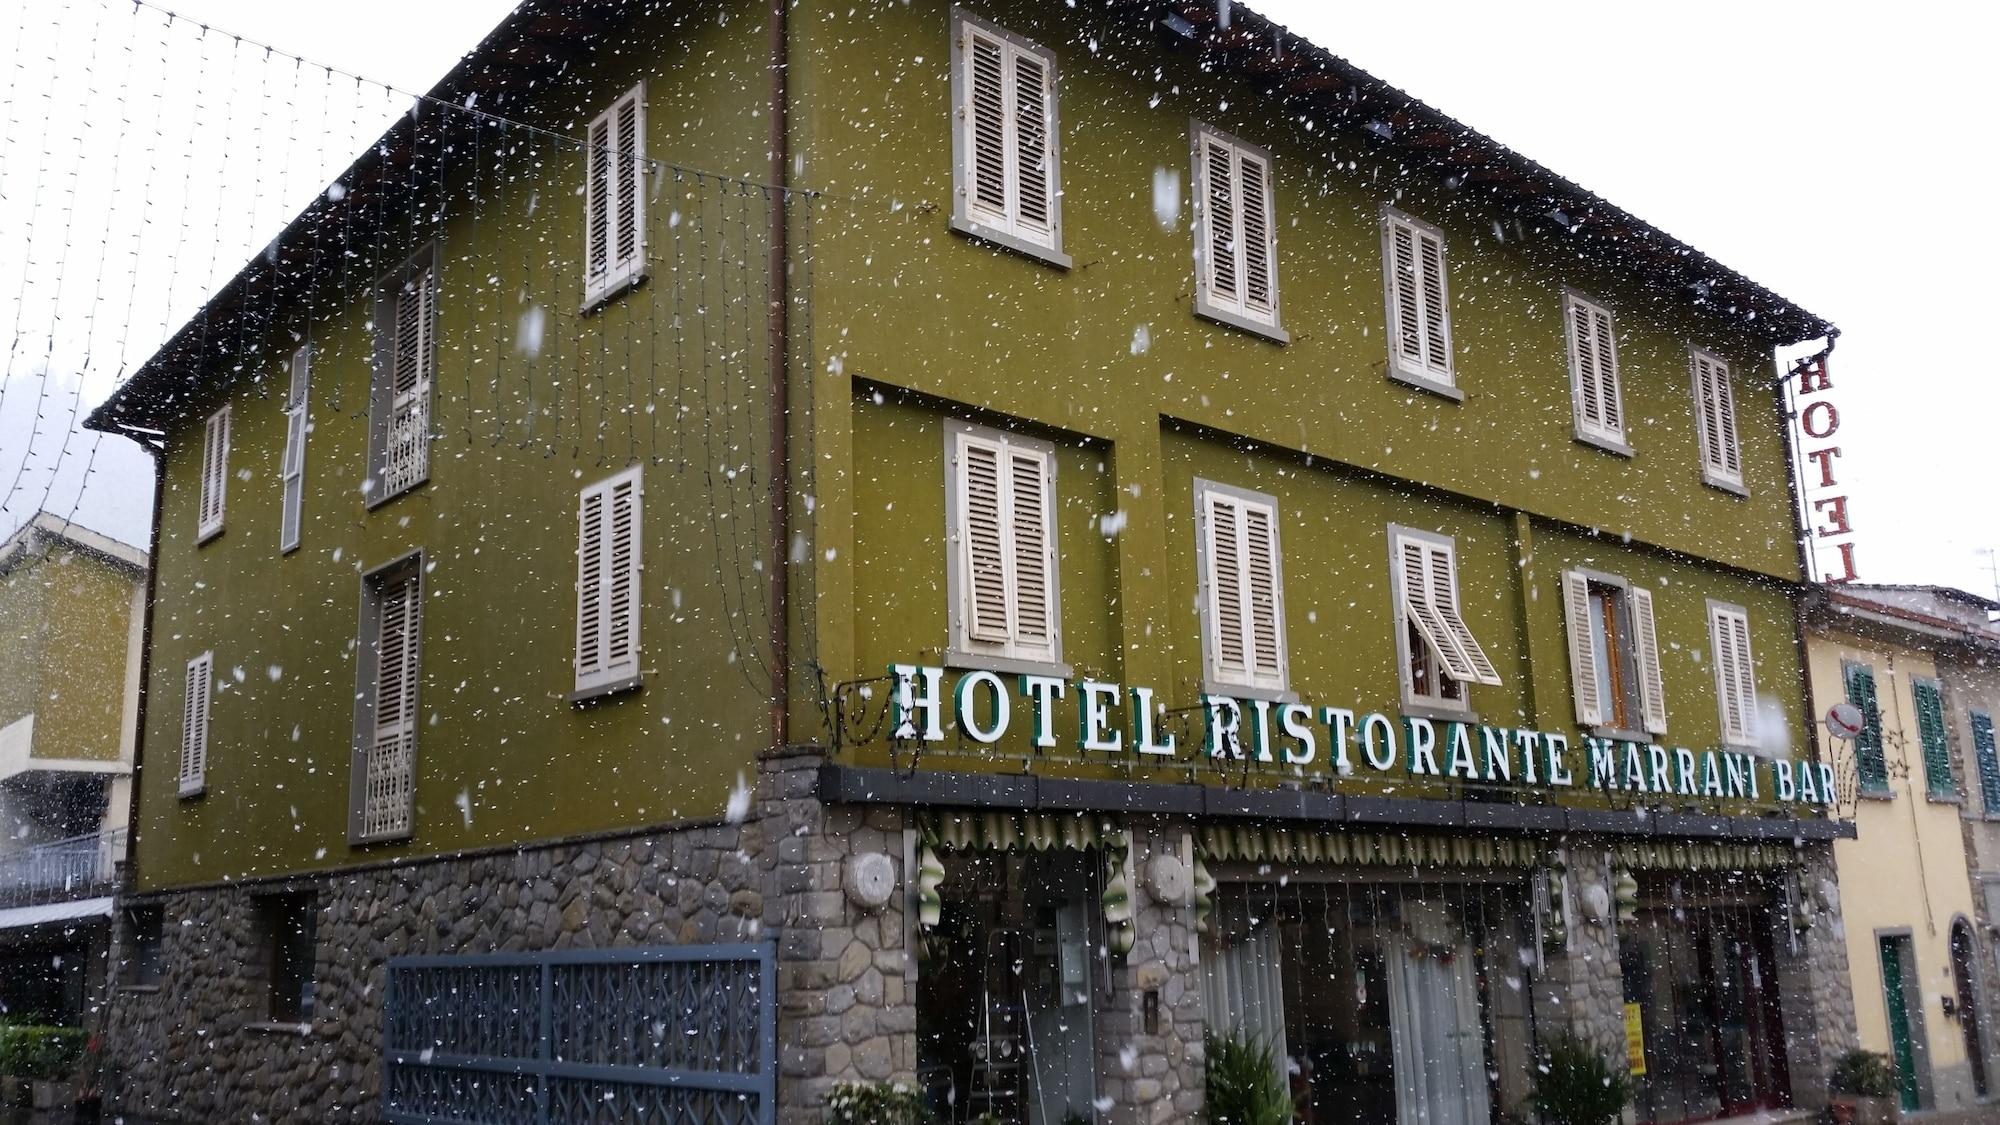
pixel 614 195
pixel 1008 173
pixel 194 725
pixel 986 91
pixel 1220 213
pixel 1735 680
pixel 392 749
pixel 1260 282
pixel 1244 590
pixel 1715 418
pixel 1237 240
pixel 983 540
pixel 607 585
pixel 1429 579
pixel 1419 300
pixel 1226 593
pixel 1594 374
pixel 1445 602
pixel 1406 284
pixel 297 417
pixel 1437 327
pixel 1034 178
pixel 214 475
pixel 1262 582
pixel 1034 565
pixel 1646 654
pixel 1583 654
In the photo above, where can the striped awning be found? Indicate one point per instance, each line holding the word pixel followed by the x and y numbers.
pixel 1014 831
pixel 1704 855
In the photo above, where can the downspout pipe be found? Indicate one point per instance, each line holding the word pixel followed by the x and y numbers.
pixel 780 352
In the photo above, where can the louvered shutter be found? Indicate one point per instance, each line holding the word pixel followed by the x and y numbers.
pixel 1646 654
pixel 194 725
pixel 1583 654
pixel 1870 767
pixel 1419 300
pixel 607 583
pixel 1237 234
pixel 406 451
pixel 214 474
pixel 615 197
pixel 1008 138
pixel 1735 680
pixel 1594 371
pixel 983 535
pixel 1445 601
pixel 1429 573
pixel 1987 759
pixel 1029 519
pixel 1245 592
pixel 1218 172
pixel 1259 277
pixel 1715 418
pixel 1938 781
pixel 294 471
pixel 392 748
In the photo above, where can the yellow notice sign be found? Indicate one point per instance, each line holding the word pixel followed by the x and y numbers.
pixel 1635 1039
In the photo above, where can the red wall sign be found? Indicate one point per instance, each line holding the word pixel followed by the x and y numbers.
pixel 1828 526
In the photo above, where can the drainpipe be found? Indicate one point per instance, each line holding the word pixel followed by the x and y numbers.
pixel 780 475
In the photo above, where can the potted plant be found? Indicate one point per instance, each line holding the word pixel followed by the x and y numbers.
pixel 1863 1089
pixel 1577 1085
pixel 1243 1085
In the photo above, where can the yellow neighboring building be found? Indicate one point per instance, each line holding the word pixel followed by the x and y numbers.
pixel 1914 948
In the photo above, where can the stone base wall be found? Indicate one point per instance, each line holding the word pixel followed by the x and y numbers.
pixel 198 1047
pixel 1150 1059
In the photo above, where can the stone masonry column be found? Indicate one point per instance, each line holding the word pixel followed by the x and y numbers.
pixel 1150 1059
pixel 1582 988
pixel 1815 994
pixel 846 1008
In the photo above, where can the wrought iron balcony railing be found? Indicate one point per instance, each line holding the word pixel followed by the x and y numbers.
pixel 78 867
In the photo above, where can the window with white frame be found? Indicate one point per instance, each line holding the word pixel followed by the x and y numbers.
pixel 1000 504
pixel 405 368
pixel 1419 302
pixel 1614 654
pixel 1242 588
pixel 293 473
pixel 1735 673
pixel 1439 654
pixel 614 198
pixel 1236 233
pixel 214 475
pixel 389 666
pixel 1593 373
pixel 1005 141
pixel 607 584
pixel 194 725
pixel 1715 421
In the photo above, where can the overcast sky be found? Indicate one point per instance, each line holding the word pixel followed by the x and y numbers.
pixel 1838 153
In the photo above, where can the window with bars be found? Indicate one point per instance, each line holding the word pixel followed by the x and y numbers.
pixel 1614 653
pixel 1715 421
pixel 405 369
pixel 293 473
pixel 389 669
pixel 1419 303
pixel 194 724
pixel 1593 373
pixel 1735 673
pixel 614 198
pixel 1928 699
pixel 287 928
pixel 1000 502
pixel 1986 760
pixel 214 475
pixel 1006 141
pixel 1236 234
pixel 1439 654
pixel 1871 767
pixel 1242 588
pixel 608 567
pixel 145 939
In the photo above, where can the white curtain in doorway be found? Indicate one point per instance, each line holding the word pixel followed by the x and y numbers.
pixel 1244 989
pixel 1435 1038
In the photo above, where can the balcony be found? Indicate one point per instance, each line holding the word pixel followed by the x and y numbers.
pixel 78 867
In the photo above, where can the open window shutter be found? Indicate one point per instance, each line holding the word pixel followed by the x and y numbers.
pixel 986 88
pixel 194 725
pixel 1444 602
pixel 1220 212
pixel 1225 588
pixel 1583 656
pixel 1254 200
pixel 1413 560
pixel 1436 316
pixel 1407 287
pixel 393 749
pixel 1646 652
pixel 1029 516
pixel 1033 174
pixel 983 540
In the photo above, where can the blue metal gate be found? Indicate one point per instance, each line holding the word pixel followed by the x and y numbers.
pixel 660 1035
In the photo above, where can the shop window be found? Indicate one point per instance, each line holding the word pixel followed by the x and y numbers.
pixel 1614 653
pixel 287 927
pixel 1439 654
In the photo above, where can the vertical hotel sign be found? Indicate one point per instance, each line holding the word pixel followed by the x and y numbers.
pixel 1829 531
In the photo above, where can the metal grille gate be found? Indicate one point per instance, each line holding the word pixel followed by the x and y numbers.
pixel 660 1035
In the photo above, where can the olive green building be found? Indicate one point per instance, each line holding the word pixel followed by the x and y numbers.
pixel 1068 527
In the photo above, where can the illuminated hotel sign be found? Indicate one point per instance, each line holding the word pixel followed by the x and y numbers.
pixel 1114 721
